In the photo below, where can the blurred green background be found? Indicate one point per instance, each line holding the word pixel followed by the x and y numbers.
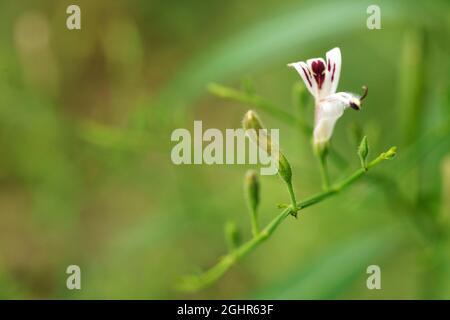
pixel 85 170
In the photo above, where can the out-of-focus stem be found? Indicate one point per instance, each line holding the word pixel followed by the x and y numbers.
pixel 258 102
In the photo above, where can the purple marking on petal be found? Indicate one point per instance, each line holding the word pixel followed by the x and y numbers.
pixel 307 77
pixel 334 70
pixel 328 65
pixel 318 69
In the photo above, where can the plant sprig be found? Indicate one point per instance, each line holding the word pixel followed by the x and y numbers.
pixel 198 282
pixel 263 140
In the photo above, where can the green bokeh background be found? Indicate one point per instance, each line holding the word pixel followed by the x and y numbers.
pixel 86 176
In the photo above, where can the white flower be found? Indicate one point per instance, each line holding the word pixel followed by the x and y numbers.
pixel 322 78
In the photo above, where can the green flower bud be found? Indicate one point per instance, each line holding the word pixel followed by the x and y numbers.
pixel 252 121
pixel 284 169
pixel 363 151
pixel 389 154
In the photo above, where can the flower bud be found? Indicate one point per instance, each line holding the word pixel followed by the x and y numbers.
pixel 363 151
pixel 252 121
pixel 389 154
pixel 264 141
pixel 256 132
pixel 259 134
pixel 284 169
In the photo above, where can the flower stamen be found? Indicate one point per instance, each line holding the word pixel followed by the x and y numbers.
pixel 366 90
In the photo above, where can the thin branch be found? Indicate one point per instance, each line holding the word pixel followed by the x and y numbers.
pixel 259 103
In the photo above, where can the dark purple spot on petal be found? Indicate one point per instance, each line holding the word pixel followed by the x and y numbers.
pixel 318 69
pixel 328 65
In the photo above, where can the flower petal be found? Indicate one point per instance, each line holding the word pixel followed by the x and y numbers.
pixel 327 113
pixel 334 63
pixel 321 77
pixel 307 76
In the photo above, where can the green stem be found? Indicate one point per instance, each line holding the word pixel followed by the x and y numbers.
pixel 324 171
pixel 194 283
pixel 293 200
pixel 255 224
pixel 363 163
pixel 197 282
